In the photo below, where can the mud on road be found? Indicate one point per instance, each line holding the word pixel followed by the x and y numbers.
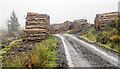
pixel 61 57
pixel 82 55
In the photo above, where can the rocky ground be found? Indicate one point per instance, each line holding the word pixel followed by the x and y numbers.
pixel 84 56
pixel 61 58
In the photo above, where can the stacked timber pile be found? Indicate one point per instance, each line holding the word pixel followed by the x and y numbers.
pixel 81 24
pixel 76 26
pixel 101 19
pixel 60 28
pixel 37 27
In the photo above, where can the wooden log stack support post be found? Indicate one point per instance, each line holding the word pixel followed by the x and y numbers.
pixel 37 27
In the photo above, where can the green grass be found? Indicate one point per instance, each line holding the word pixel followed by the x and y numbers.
pixel 85 38
pixel 69 31
pixel 106 46
pixel 42 55
pixel 9 61
pixel 8 46
pixel 92 36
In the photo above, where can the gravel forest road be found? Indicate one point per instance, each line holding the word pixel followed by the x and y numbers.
pixel 80 53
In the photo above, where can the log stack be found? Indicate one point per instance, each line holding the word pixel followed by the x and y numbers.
pixel 60 28
pixel 81 24
pixel 75 26
pixel 101 19
pixel 37 27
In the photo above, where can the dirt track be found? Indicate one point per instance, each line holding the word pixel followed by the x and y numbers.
pixel 80 53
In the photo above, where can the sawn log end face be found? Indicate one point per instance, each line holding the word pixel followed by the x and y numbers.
pixel 37 27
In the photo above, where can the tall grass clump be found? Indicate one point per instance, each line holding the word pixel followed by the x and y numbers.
pixel 44 54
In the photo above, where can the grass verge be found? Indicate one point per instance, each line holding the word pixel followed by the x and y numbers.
pixel 69 31
pixel 43 54
pixel 90 37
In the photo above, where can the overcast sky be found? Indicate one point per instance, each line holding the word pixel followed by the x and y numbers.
pixel 58 10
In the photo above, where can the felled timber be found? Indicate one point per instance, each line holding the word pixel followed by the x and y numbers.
pixel 101 19
pixel 32 30
pixel 37 27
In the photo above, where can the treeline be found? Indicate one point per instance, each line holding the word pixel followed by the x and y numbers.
pixel 13 30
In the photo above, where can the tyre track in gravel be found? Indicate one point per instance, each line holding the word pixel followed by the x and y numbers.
pixel 80 55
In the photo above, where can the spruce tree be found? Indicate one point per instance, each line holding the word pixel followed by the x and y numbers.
pixel 13 23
